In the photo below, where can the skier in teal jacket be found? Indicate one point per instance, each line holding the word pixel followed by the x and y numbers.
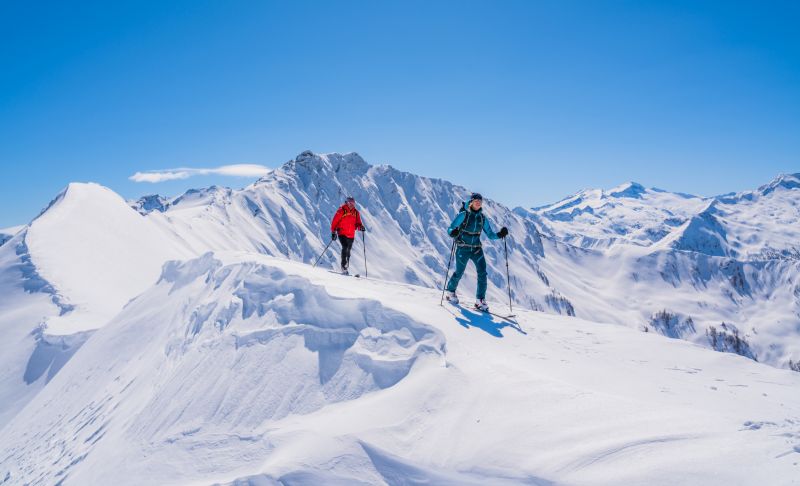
pixel 467 229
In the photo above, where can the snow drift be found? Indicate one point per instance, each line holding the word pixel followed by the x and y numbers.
pixel 246 369
pixel 249 368
pixel 230 345
pixel 725 264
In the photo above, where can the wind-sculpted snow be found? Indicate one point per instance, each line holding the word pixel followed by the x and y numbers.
pixel 388 469
pixel 29 357
pixel 252 367
pixel 64 276
pixel 280 330
pixel 564 258
pixel 616 256
pixel 239 368
pixel 31 280
pixel 213 347
pixel 51 354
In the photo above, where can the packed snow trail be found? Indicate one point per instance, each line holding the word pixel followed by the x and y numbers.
pixel 239 368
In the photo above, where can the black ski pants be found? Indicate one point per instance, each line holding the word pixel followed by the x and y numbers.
pixel 347 245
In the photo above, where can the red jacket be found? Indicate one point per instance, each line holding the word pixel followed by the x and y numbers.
pixel 346 221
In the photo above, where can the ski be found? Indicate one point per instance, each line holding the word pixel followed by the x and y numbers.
pixel 509 317
pixel 356 275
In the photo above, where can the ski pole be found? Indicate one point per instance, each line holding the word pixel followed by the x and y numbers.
pixel 364 244
pixel 508 277
pixel 323 252
pixel 447 273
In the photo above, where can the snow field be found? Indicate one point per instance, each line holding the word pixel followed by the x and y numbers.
pixel 239 368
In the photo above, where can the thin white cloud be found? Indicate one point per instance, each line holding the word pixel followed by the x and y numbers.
pixel 234 170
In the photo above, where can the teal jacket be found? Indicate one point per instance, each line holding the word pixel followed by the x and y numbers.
pixel 470 224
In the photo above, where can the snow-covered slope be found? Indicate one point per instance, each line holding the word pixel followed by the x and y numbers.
pixel 288 213
pixel 630 214
pixel 647 251
pixel 8 233
pixel 763 224
pixel 752 225
pixel 247 366
pixel 723 272
pixel 97 253
pixel 247 369
pixel 94 252
pixel 26 359
pixel 63 276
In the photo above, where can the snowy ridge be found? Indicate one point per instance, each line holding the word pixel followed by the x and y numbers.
pixel 280 341
pixel 65 275
pixel 96 253
pixel 783 181
pixel 727 264
pixel 288 213
pixel 187 340
pixel 628 214
pixel 89 252
pixel 233 369
pixel 668 252
pixel 702 233
pixel 763 224
pixel 751 225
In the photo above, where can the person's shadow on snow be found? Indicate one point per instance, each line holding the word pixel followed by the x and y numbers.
pixel 483 322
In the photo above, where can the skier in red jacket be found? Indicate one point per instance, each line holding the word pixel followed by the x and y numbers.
pixel 346 222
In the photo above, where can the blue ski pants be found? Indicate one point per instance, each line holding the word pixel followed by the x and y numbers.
pixel 463 255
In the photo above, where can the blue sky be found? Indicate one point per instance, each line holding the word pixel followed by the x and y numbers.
pixel 525 101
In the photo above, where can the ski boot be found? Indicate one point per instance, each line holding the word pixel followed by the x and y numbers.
pixel 481 305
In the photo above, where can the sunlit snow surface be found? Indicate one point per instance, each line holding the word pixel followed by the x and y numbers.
pixel 183 340
pixel 250 368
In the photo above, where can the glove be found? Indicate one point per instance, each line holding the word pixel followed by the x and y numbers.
pixel 503 232
pixel 454 233
pixel 361 228
pixel 333 236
